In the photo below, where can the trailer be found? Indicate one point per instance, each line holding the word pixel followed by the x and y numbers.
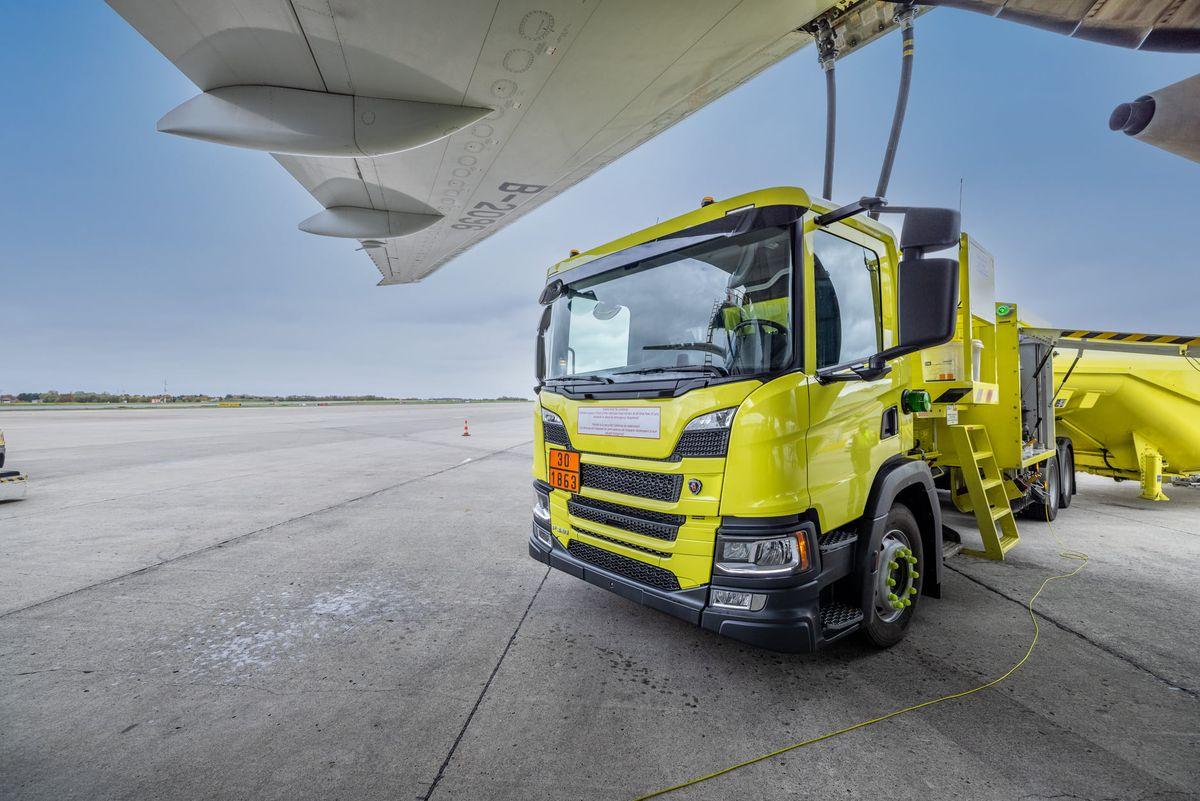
pixel 1131 405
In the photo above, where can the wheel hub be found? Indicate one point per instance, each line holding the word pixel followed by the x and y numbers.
pixel 895 577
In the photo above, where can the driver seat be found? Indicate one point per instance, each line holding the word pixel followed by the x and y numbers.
pixel 755 346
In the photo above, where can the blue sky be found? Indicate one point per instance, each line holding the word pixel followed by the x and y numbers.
pixel 128 257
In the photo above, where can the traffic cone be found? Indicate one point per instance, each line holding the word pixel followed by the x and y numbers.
pixel 466 429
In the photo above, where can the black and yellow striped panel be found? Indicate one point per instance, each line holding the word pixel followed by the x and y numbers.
pixel 1144 339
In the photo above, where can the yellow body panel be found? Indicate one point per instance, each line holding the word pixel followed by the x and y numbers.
pixel 1002 419
pixel 844 419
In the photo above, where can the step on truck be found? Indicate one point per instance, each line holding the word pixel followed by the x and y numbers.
pixel 749 416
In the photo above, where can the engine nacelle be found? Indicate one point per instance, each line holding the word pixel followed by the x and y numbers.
pixel 1168 118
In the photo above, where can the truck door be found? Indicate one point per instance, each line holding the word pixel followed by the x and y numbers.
pixel 849 312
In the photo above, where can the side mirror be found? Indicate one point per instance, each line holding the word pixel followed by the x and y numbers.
pixel 929 229
pixel 539 357
pixel 928 304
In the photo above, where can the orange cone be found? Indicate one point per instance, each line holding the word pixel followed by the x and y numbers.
pixel 466 430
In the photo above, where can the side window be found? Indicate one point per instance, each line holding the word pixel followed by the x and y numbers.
pixel 847 300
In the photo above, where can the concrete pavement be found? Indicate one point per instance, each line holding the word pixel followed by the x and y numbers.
pixel 335 602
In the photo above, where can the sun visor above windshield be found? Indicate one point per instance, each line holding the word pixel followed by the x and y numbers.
pixel 732 224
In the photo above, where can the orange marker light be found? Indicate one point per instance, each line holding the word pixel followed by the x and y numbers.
pixel 802 549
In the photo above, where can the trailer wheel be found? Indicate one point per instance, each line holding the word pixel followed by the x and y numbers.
pixel 1066 475
pixel 1047 508
pixel 899 563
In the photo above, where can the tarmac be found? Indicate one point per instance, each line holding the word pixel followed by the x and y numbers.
pixel 337 603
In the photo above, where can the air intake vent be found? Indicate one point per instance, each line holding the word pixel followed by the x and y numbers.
pixel 623 543
pixel 624 566
pixel 555 434
pixel 713 442
pixel 655 486
pixel 640 521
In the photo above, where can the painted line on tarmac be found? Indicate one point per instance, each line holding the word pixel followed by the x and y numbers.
pixel 264 529
pixel 1106 649
pixel 487 685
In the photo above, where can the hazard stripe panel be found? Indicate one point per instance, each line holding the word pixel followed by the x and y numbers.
pixel 1118 336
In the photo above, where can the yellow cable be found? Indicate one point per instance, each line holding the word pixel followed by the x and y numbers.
pixel 1066 554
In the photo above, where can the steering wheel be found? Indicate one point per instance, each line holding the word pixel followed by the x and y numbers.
pixel 770 326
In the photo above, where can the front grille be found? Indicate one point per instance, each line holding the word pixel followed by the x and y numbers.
pixel 624 566
pixel 556 434
pixel 713 442
pixel 606 538
pixel 656 486
pixel 640 521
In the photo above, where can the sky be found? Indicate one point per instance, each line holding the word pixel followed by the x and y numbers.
pixel 130 258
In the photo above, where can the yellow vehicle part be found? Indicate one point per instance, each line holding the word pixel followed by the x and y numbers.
pixel 776 196
pixel 1131 416
pixel 690 555
pixel 786 431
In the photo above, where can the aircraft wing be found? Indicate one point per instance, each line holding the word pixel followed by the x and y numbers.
pixel 494 106
pixel 1165 25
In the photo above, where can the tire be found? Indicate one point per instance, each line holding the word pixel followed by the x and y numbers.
pixel 1047 510
pixel 885 626
pixel 1066 476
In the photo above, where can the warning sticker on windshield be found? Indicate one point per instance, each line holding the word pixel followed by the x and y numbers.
pixel 620 421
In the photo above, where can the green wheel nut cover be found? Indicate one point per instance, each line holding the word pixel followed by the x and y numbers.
pixel 891 582
pixel 912 590
pixel 893 565
pixel 916 575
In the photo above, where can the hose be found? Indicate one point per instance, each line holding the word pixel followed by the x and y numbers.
pixel 830 128
pixel 906 65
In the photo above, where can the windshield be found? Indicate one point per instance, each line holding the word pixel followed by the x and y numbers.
pixel 721 307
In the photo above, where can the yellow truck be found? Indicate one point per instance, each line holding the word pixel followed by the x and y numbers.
pixel 749 416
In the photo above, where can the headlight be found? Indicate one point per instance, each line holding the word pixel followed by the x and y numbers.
pixel 770 556
pixel 721 418
pixel 550 417
pixel 541 507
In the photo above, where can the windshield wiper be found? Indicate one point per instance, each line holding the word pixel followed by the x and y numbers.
pixel 571 379
pixel 684 368
pixel 707 347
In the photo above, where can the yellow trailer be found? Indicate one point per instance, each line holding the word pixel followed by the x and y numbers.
pixel 1134 413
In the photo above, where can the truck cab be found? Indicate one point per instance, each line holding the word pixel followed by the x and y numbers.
pixel 725 418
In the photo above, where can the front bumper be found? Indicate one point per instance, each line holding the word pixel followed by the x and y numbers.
pixel 788 621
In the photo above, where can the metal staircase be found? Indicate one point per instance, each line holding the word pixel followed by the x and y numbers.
pixel 985 485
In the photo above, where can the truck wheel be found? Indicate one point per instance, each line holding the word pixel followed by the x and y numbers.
pixel 899 563
pixel 1066 476
pixel 1047 510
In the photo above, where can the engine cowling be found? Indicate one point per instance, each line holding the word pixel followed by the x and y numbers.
pixel 1168 118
